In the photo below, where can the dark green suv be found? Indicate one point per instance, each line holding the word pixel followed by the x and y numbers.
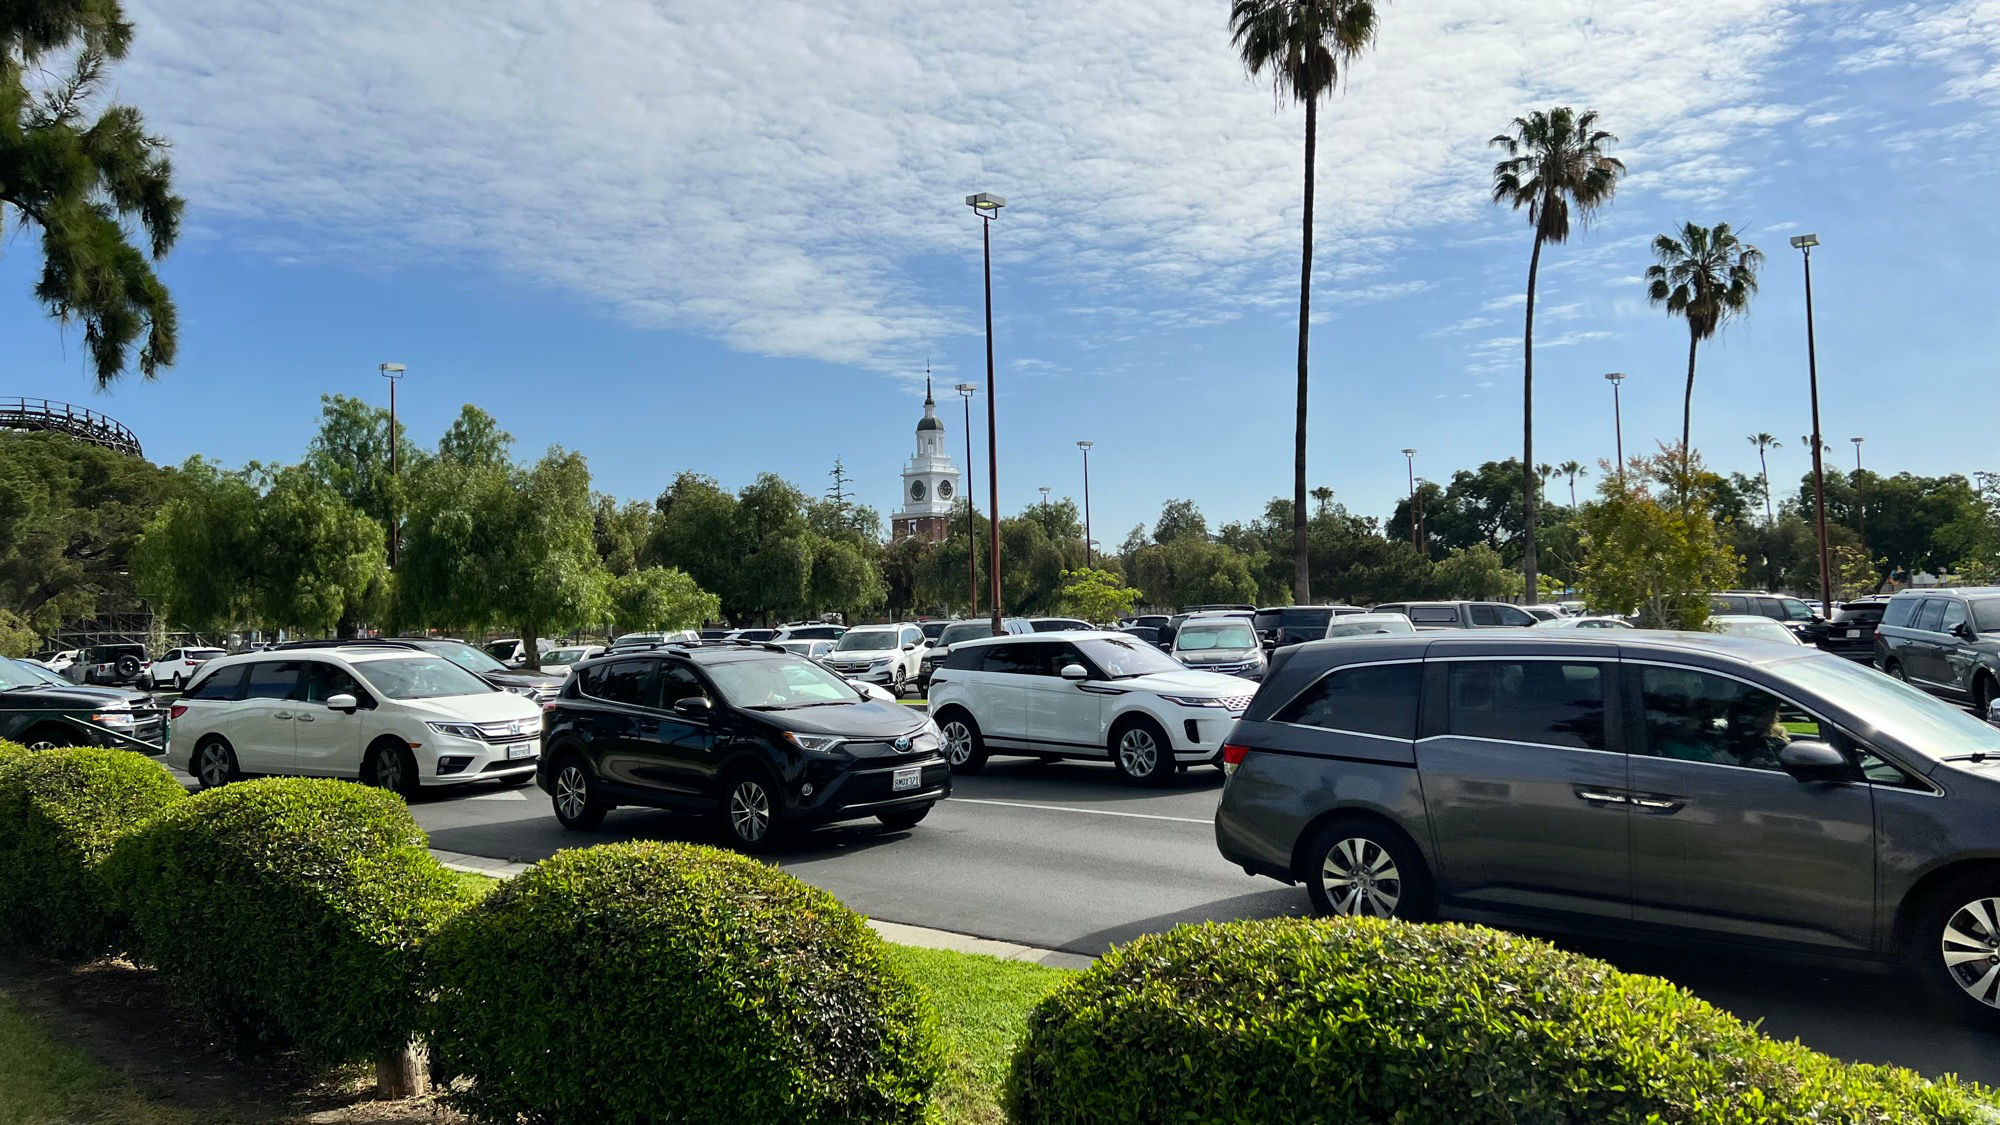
pixel 41 710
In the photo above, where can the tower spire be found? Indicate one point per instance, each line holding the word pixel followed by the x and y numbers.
pixel 928 400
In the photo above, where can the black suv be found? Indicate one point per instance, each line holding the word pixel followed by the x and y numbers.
pixel 41 710
pixel 759 736
pixel 1851 632
pixel 1294 624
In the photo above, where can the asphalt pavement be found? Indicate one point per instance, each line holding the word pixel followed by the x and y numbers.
pixel 1066 856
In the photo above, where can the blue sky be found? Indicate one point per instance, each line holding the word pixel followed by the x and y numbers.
pixel 727 237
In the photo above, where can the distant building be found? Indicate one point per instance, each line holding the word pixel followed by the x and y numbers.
pixel 930 481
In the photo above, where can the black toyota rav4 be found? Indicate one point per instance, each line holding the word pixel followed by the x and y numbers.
pixel 761 738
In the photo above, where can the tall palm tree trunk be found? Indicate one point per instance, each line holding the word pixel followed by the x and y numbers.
pixel 1301 576
pixel 1687 413
pixel 1572 491
pixel 1531 580
pixel 1765 466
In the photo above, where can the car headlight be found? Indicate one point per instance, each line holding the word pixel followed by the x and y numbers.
pixel 458 730
pixel 114 718
pixel 1192 701
pixel 883 662
pixel 814 743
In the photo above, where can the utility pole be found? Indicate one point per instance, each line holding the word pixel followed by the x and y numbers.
pixel 394 373
pixel 1804 244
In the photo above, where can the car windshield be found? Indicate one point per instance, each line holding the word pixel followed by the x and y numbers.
pixel 420 677
pixel 468 658
pixel 1125 657
pixel 965 631
pixel 15 674
pixel 1986 615
pixel 867 640
pixel 1222 635
pixel 564 655
pixel 201 653
pixel 778 684
pixel 1357 627
pixel 1921 722
pixel 1761 629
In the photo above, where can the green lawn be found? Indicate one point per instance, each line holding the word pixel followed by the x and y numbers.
pixel 982 1005
pixel 43 1082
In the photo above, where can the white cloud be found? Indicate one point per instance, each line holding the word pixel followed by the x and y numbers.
pixel 1510 301
pixel 785 176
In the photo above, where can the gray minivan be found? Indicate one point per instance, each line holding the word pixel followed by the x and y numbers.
pixel 1660 785
pixel 1946 642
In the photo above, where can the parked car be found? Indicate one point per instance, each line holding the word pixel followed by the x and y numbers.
pixel 537 686
pixel 1174 623
pixel 656 637
pixel 959 631
pixel 558 661
pixel 1793 613
pixel 713 634
pixel 1060 625
pixel 42 711
pixel 1367 625
pixel 932 629
pixel 112 665
pixel 1586 623
pixel 1147 633
pixel 809 648
pixel 763 739
pixel 890 655
pixel 58 660
pixel 390 715
pixel 813 631
pixel 1224 644
pixel 1851 631
pixel 1545 612
pixel 177 666
pixel 1668 787
pixel 1146 621
pixel 1461 615
pixel 1290 624
pixel 1946 642
pixel 513 652
pixel 1103 696
pixel 1752 626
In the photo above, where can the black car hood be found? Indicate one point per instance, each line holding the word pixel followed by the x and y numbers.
pixel 857 720
pixel 77 697
pixel 522 677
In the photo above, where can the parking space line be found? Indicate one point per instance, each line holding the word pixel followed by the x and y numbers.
pixel 1066 808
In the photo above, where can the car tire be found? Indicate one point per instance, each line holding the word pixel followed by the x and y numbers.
pixel 49 737
pixel 1955 946
pixel 1355 866
pixel 573 796
pixel 1142 753
pixel 1895 668
pixel 180 682
pixel 1982 693
pixel 905 820
pixel 897 682
pixel 214 764
pixel 390 766
pixel 964 750
pixel 752 811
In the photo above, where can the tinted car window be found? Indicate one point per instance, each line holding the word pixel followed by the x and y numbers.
pixel 1858 614
pixel 1931 614
pixel 272 679
pixel 1954 616
pixel 1986 615
pixel 1539 701
pixel 1378 699
pixel 1694 716
pixel 622 681
pixel 1433 615
pixel 324 681
pixel 1899 611
pixel 674 683
pixel 1020 660
pixel 1795 610
pixel 222 684
pixel 1485 615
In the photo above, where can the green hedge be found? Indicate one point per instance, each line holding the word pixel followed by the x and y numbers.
pixel 1358 1020
pixel 61 811
pixel 12 752
pixel 669 982
pixel 289 910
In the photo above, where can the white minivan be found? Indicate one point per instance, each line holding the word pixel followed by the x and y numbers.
pixel 385 714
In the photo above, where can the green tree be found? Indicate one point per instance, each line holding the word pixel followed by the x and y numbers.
pixel 698 531
pixel 70 514
pixel 350 454
pixel 539 557
pixel 1190 571
pixel 1179 519
pixel 17 637
pixel 1096 595
pixel 1659 558
pixel 79 179
pixel 1555 167
pixel 1707 277
pixel 1765 443
pixel 621 531
pixel 662 598
pixel 1305 46
pixel 1572 470
pixel 1477 572
pixel 321 564
pixel 197 561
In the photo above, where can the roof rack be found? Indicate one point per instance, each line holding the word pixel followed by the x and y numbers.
pixel 353 642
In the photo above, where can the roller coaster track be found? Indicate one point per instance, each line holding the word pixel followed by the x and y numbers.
pixel 43 415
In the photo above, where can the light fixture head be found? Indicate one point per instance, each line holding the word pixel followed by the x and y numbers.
pixel 987 204
pixel 966 388
pixel 392 370
pixel 1409 453
pixel 1085 445
pixel 1804 241
pixel 1857 440
pixel 1615 376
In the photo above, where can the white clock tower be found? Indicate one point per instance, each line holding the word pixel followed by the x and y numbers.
pixel 930 481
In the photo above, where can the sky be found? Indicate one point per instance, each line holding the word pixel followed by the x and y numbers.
pixel 722 237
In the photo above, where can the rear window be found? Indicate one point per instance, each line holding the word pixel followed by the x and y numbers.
pixel 1544 702
pixel 1433 615
pixel 1305 618
pixel 221 684
pixel 1864 614
pixel 960 631
pixel 1379 699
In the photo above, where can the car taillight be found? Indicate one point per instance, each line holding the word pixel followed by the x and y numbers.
pixel 177 710
pixel 1232 756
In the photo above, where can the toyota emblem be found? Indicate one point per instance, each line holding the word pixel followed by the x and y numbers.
pixel 903 743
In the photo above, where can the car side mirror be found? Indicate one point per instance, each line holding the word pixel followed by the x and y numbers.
pixel 1963 631
pixel 1074 672
pixel 1812 760
pixel 694 705
pixel 342 702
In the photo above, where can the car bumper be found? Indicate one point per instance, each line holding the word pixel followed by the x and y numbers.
pixel 446 761
pixel 853 794
pixel 1198 734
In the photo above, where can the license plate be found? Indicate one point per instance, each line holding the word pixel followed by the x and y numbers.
pixel 911 778
pixel 525 750
pixel 1854 632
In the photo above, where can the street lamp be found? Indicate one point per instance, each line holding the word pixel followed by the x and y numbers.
pixel 1088 559
pixel 1860 499
pixel 1618 421
pixel 971 541
pixel 1804 243
pixel 394 373
pixel 1423 537
pixel 1045 498
pixel 1410 462
pixel 987 207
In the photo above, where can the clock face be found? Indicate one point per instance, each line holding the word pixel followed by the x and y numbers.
pixel 944 490
pixel 916 490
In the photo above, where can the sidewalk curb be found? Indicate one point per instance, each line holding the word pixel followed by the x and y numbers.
pixel 896 932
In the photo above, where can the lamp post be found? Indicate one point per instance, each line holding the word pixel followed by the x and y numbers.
pixel 1045 498
pixel 394 373
pixel 987 207
pixel 1860 500
pixel 1410 462
pixel 971 541
pixel 1423 539
pixel 1089 560
pixel 1618 421
pixel 1804 243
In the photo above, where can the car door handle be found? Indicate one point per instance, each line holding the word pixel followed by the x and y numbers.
pixel 1654 803
pixel 304 718
pixel 281 714
pixel 1602 796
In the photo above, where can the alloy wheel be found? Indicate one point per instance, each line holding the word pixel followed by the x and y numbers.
pixel 214 767
pixel 1971 950
pixel 749 811
pixel 1361 878
pixel 1138 753
pixel 572 792
pixel 42 744
pixel 957 743
pixel 389 771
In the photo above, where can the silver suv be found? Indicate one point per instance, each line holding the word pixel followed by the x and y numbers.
pixel 1669 786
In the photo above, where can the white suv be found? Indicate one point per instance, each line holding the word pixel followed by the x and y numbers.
pixel 178 666
pixel 386 714
pixel 1082 695
pixel 890 655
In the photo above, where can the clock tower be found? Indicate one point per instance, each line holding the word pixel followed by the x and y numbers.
pixel 930 481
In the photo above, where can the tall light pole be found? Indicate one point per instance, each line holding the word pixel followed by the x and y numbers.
pixel 1860 501
pixel 1804 243
pixel 394 373
pixel 971 540
pixel 1410 462
pixel 987 207
pixel 1089 560
pixel 1045 499
pixel 1423 537
pixel 1618 421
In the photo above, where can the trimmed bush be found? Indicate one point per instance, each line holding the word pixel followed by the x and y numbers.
pixel 11 751
pixel 289 911
pixel 1289 1020
pixel 669 982
pixel 61 811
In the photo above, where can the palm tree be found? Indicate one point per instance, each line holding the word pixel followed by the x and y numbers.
pixel 1708 277
pixel 1555 166
pixel 1572 470
pixel 1765 442
pixel 1305 46
pixel 1544 471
